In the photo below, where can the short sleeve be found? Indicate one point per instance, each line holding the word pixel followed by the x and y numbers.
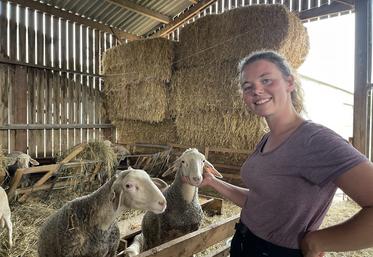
pixel 327 156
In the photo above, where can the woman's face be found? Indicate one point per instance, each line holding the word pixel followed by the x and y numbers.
pixel 265 90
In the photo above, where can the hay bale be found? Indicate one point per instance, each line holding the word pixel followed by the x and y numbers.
pixel 236 33
pixel 144 101
pixel 207 88
pixel 130 131
pixel 219 129
pixel 140 60
pixel 93 151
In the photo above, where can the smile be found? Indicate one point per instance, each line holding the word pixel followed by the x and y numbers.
pixel 262 101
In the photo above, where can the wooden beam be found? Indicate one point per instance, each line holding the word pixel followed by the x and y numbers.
pixel 177 22
pixel 196 241
pixel 362 49
pixel 141 10
pixel 35 5
pixel 326 9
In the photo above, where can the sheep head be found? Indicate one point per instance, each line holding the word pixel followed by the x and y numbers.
pixel 191 164
pixel 133 188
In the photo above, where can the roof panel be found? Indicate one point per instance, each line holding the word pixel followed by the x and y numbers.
pixel 115 16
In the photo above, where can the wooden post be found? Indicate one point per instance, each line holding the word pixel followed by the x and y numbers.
pixel 362 48
pixel 20 107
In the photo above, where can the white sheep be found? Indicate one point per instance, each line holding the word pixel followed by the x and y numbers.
pixel 18 160
pixel 87 226
pixel 184 213
pixel 5 215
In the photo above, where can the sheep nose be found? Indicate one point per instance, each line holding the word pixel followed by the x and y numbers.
pixel 162 203
pixel 197 179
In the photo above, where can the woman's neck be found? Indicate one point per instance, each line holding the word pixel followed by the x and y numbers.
pixel 284 125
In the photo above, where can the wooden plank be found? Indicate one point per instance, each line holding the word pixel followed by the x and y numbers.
pixel 40 111
pixel 196 241
pixel 63 111
pixel 13 32
pixel 49 113
pixel 39 39
pixel 11 113
pixel 20 107
pixel 31 36
pixel 71 43
pixel 48 40
pixel 56 45
pixel 64 44
pixel 70 98
pixel 3 29
pixel 22 34
pixel 32 100
pixel 4 104
pixel 57 116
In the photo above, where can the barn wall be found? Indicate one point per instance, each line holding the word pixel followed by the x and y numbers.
pixel 50 88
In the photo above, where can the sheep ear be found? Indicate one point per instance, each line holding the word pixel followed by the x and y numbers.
pixel 160 183
pixel 116 198
pixel 211 169
pixel 34 162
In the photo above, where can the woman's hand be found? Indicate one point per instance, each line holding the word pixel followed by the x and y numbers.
pixel 308 247
pixel 208 178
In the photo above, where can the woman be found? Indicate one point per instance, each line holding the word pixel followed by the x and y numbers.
pixel 293 174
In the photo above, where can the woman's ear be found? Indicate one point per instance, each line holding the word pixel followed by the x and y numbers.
pixel 291 83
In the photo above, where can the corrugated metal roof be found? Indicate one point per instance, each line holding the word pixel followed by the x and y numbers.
pixel 119 17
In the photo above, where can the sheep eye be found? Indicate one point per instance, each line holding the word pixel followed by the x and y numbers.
pixel 183 161
pixel 128 186
pixel 203 160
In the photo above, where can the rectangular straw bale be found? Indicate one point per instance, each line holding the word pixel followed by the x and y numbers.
pixel 236 33
pixel 140 60
pixel 144 101
pixel 207 88
pixel 219 129
pixel 130 131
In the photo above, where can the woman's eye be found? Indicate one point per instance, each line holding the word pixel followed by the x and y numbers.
pixel 266 81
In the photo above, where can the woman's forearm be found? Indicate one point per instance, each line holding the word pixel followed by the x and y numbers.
pixel 353 234
pixel 233 193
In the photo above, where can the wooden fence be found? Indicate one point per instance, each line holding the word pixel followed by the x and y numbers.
pixel 50 88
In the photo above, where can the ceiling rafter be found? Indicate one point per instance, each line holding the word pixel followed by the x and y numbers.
pixel 35 5
pixel 326 9
pixel 184 17
pixel 141 10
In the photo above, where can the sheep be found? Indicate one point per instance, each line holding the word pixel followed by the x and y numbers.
pixel 87 226
pixel 5 215
pixel 184 213
pixel 17 160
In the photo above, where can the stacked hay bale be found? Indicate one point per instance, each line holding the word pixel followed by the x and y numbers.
pixel 137 90
pixel 209 108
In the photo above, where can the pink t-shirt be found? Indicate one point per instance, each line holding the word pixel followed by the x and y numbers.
pixel 292 186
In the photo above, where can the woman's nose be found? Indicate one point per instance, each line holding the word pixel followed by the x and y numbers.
pixel 257 90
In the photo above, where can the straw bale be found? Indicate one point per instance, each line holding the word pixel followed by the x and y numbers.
pixel 144 101
pixel 140 60
pixel 130 131
pixel 236 33
pixel 207 88
pixel 219 129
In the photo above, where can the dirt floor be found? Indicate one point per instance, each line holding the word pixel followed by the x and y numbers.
pixel 28 217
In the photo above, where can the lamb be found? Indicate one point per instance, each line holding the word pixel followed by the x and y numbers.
pixel 184 213
pixel 5 215
pixel 17 160
pixel 87 226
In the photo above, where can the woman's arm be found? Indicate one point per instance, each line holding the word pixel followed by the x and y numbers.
pixel 231 192
pixel 356 232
